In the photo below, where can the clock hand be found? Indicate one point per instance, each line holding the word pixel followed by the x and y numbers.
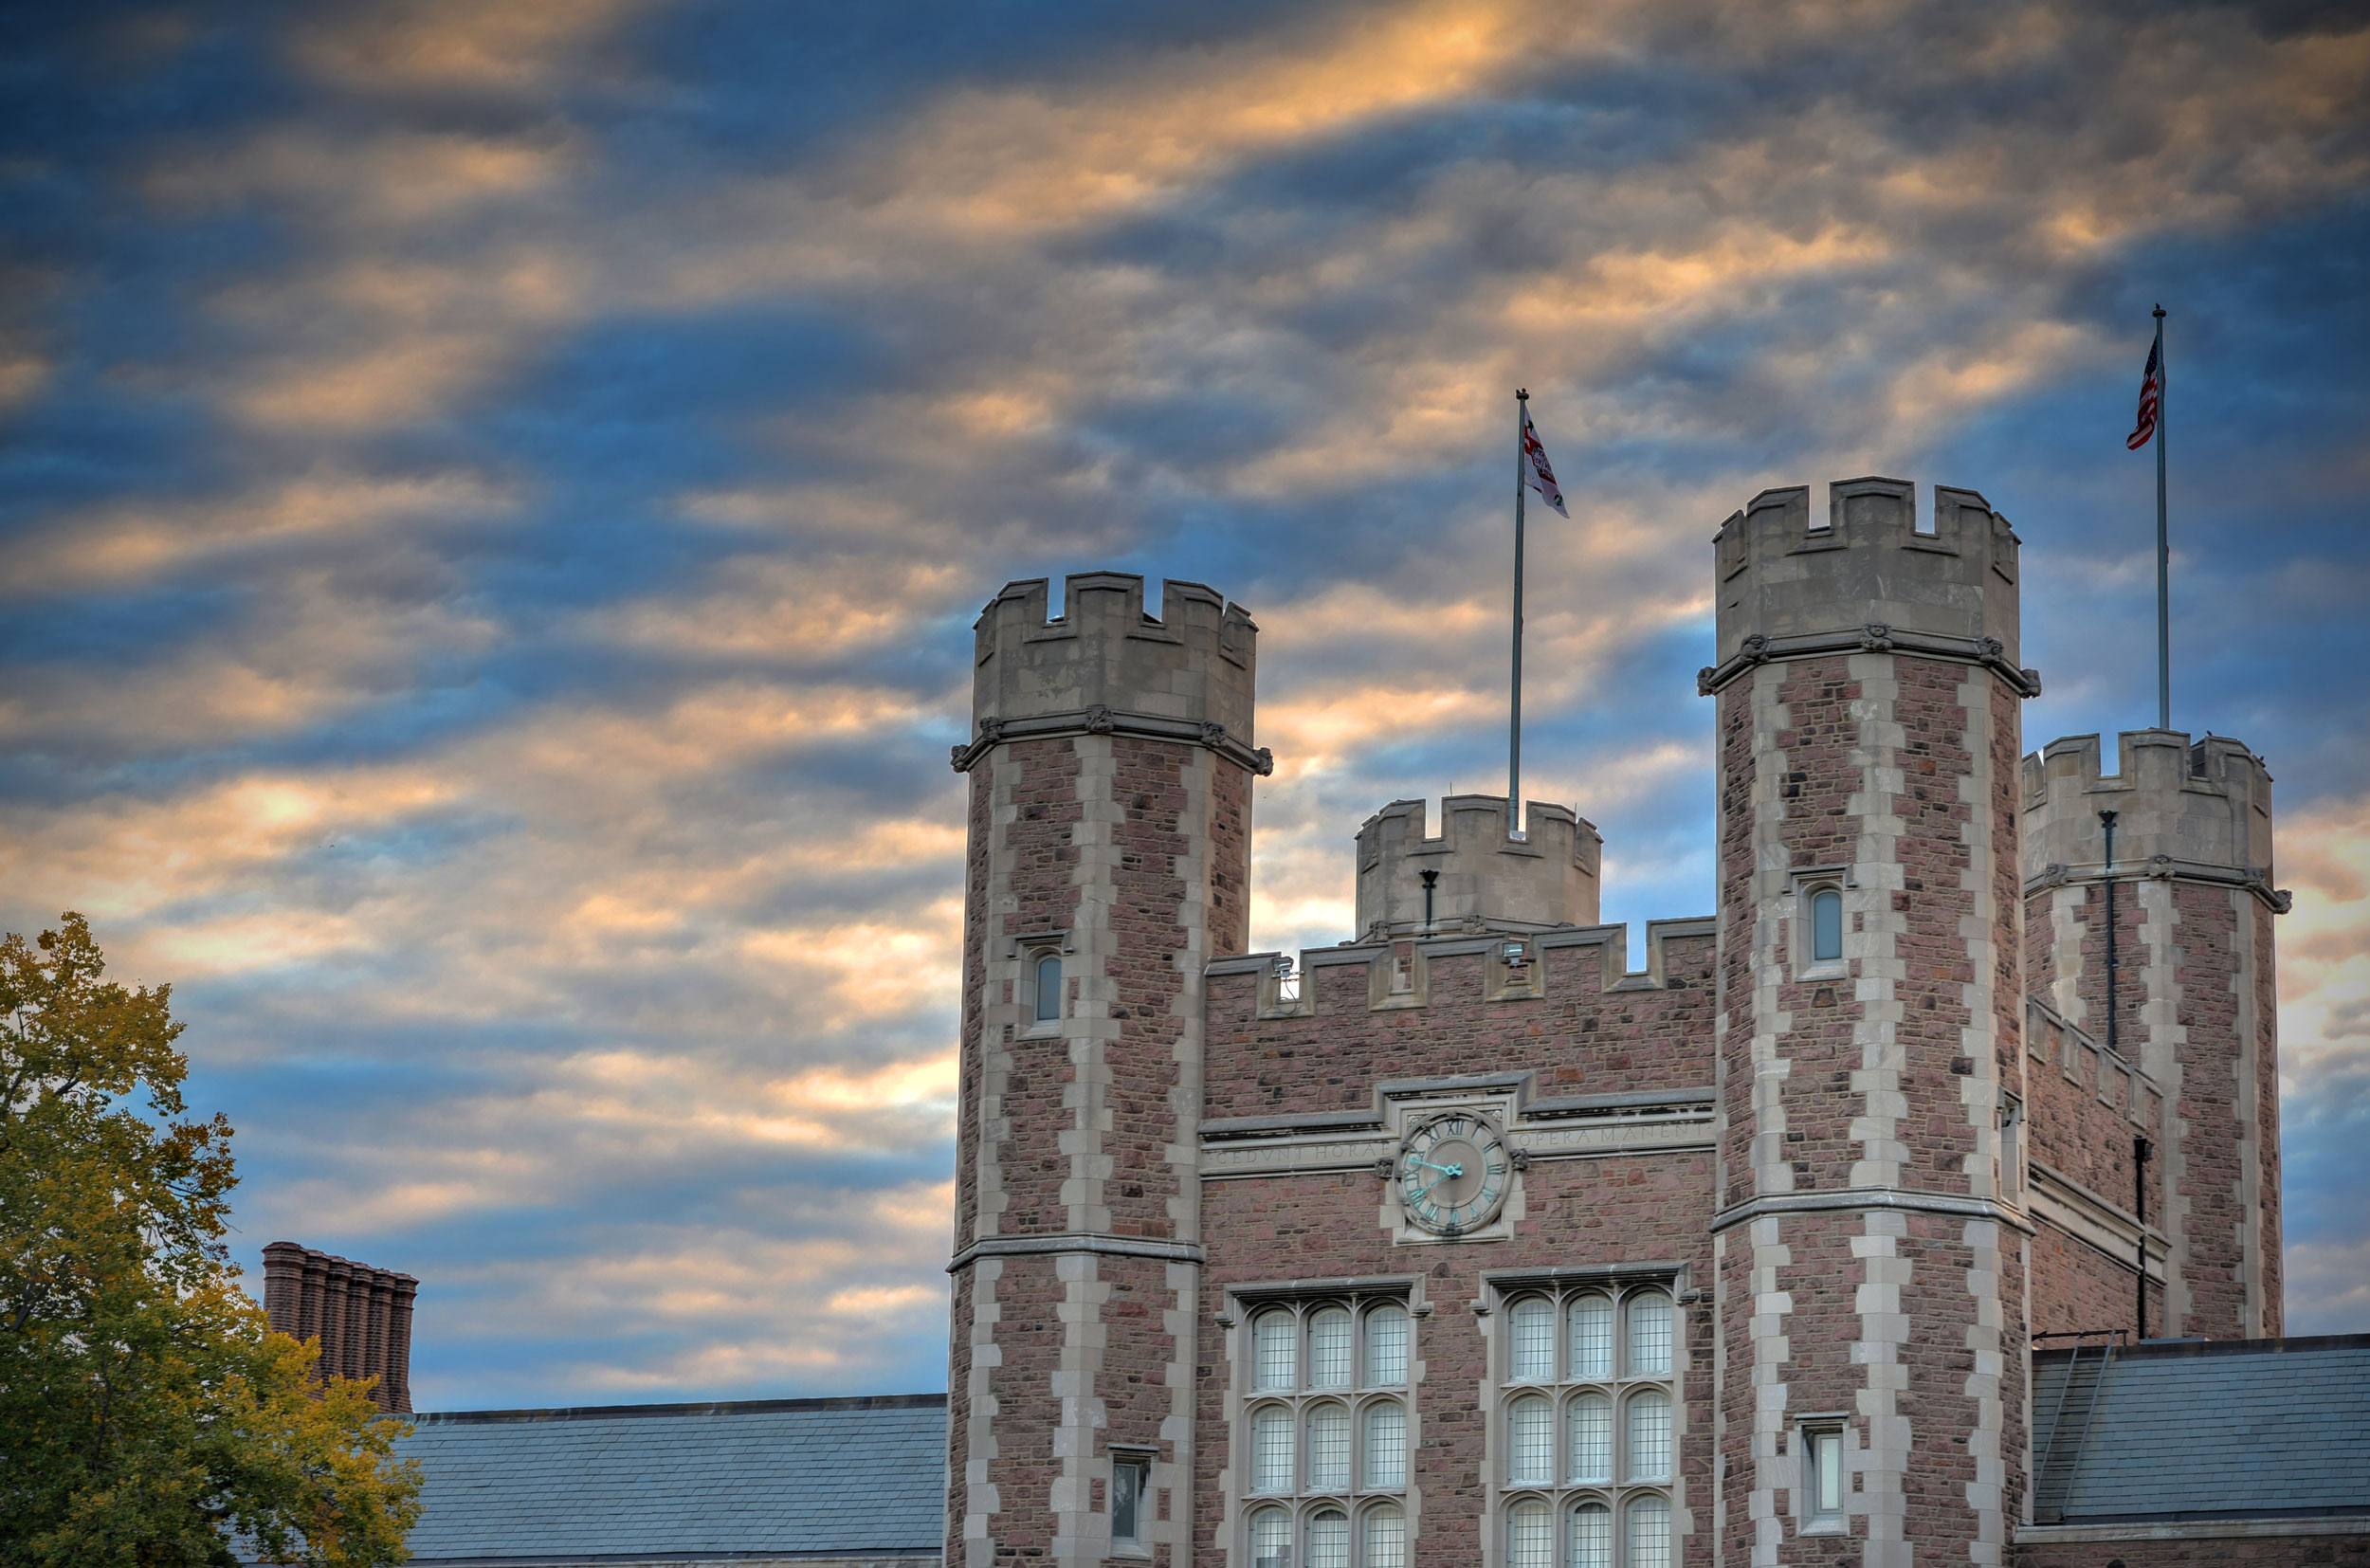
pixel 1455 1169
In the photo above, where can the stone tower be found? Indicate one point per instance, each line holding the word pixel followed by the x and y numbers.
pixel 2190 996
pixel 1110 775
pixel 1475 875
pixel 1870 1276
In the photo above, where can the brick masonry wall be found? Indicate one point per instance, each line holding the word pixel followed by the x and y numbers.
pixel 2074 1134
pixel 1130 852
pixel 2009 986
pixel 1229 833
pixel 2263 976
pixel 1903 769
pixel 1022 865
pixel 1151 838
pixel 2196 1005
pixel 2130 1010
pixel 1036 859
pixel 969 1042
pixel 2215 1138
pixel 2078 1288
pixel 1577 1037
pixel 1627 1210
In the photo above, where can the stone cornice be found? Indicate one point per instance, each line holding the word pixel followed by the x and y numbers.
pixel 1871 1198
pixel 2067 1205
pixel 1102 721
pixel 1114 1246
pixel 1875 637
pixel 2251 879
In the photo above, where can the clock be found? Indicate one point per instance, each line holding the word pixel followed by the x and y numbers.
pixel 1453 1172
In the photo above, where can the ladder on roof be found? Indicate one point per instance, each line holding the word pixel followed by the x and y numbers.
pixel 2069 1422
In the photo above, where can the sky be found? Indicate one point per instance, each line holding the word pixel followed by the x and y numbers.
pixel 494 494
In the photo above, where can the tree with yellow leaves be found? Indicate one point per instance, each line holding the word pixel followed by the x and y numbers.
pixel 149 1416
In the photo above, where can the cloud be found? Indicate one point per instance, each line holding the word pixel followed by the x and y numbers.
pixel 507 46
pixel 496 495
pixel 129 543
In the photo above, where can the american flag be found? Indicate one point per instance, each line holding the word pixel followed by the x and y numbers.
pixel 2151 394
pixel 1543 474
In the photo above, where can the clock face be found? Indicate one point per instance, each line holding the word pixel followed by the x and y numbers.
pixel 1453 1172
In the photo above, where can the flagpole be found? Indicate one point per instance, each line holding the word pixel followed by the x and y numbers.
pixel 1514 726
pixel 2163 550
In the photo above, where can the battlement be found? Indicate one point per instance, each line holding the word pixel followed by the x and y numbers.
pixel 1484 878
pixel 1863 574
pixel 1105 664
pixel 2182 809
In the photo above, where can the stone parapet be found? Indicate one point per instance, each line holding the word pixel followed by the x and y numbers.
pixel 1865 577
pixel 1482 877
pixel 2194 810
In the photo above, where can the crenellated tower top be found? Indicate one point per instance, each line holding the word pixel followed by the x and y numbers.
pixel 1863 577
pixel 1483 876
pixel 1104 666
pixel 2195 809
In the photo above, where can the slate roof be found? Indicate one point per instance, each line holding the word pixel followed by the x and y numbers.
pixel 755 1478
pixel 2219 1428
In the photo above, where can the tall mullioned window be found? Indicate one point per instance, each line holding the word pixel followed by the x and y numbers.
pixel 1588 1426
pixel 1323 1438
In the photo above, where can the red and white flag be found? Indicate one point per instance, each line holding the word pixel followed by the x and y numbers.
pixel 1542 473
pixel 2151 399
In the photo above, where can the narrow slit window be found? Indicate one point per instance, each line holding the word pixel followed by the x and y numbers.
pixel 1048 988
pixel 1824 1483
pixel 2010 1148
pixel 1128 1499
pixel 1827 926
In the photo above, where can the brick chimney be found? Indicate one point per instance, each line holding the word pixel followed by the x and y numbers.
pixel 362 1315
